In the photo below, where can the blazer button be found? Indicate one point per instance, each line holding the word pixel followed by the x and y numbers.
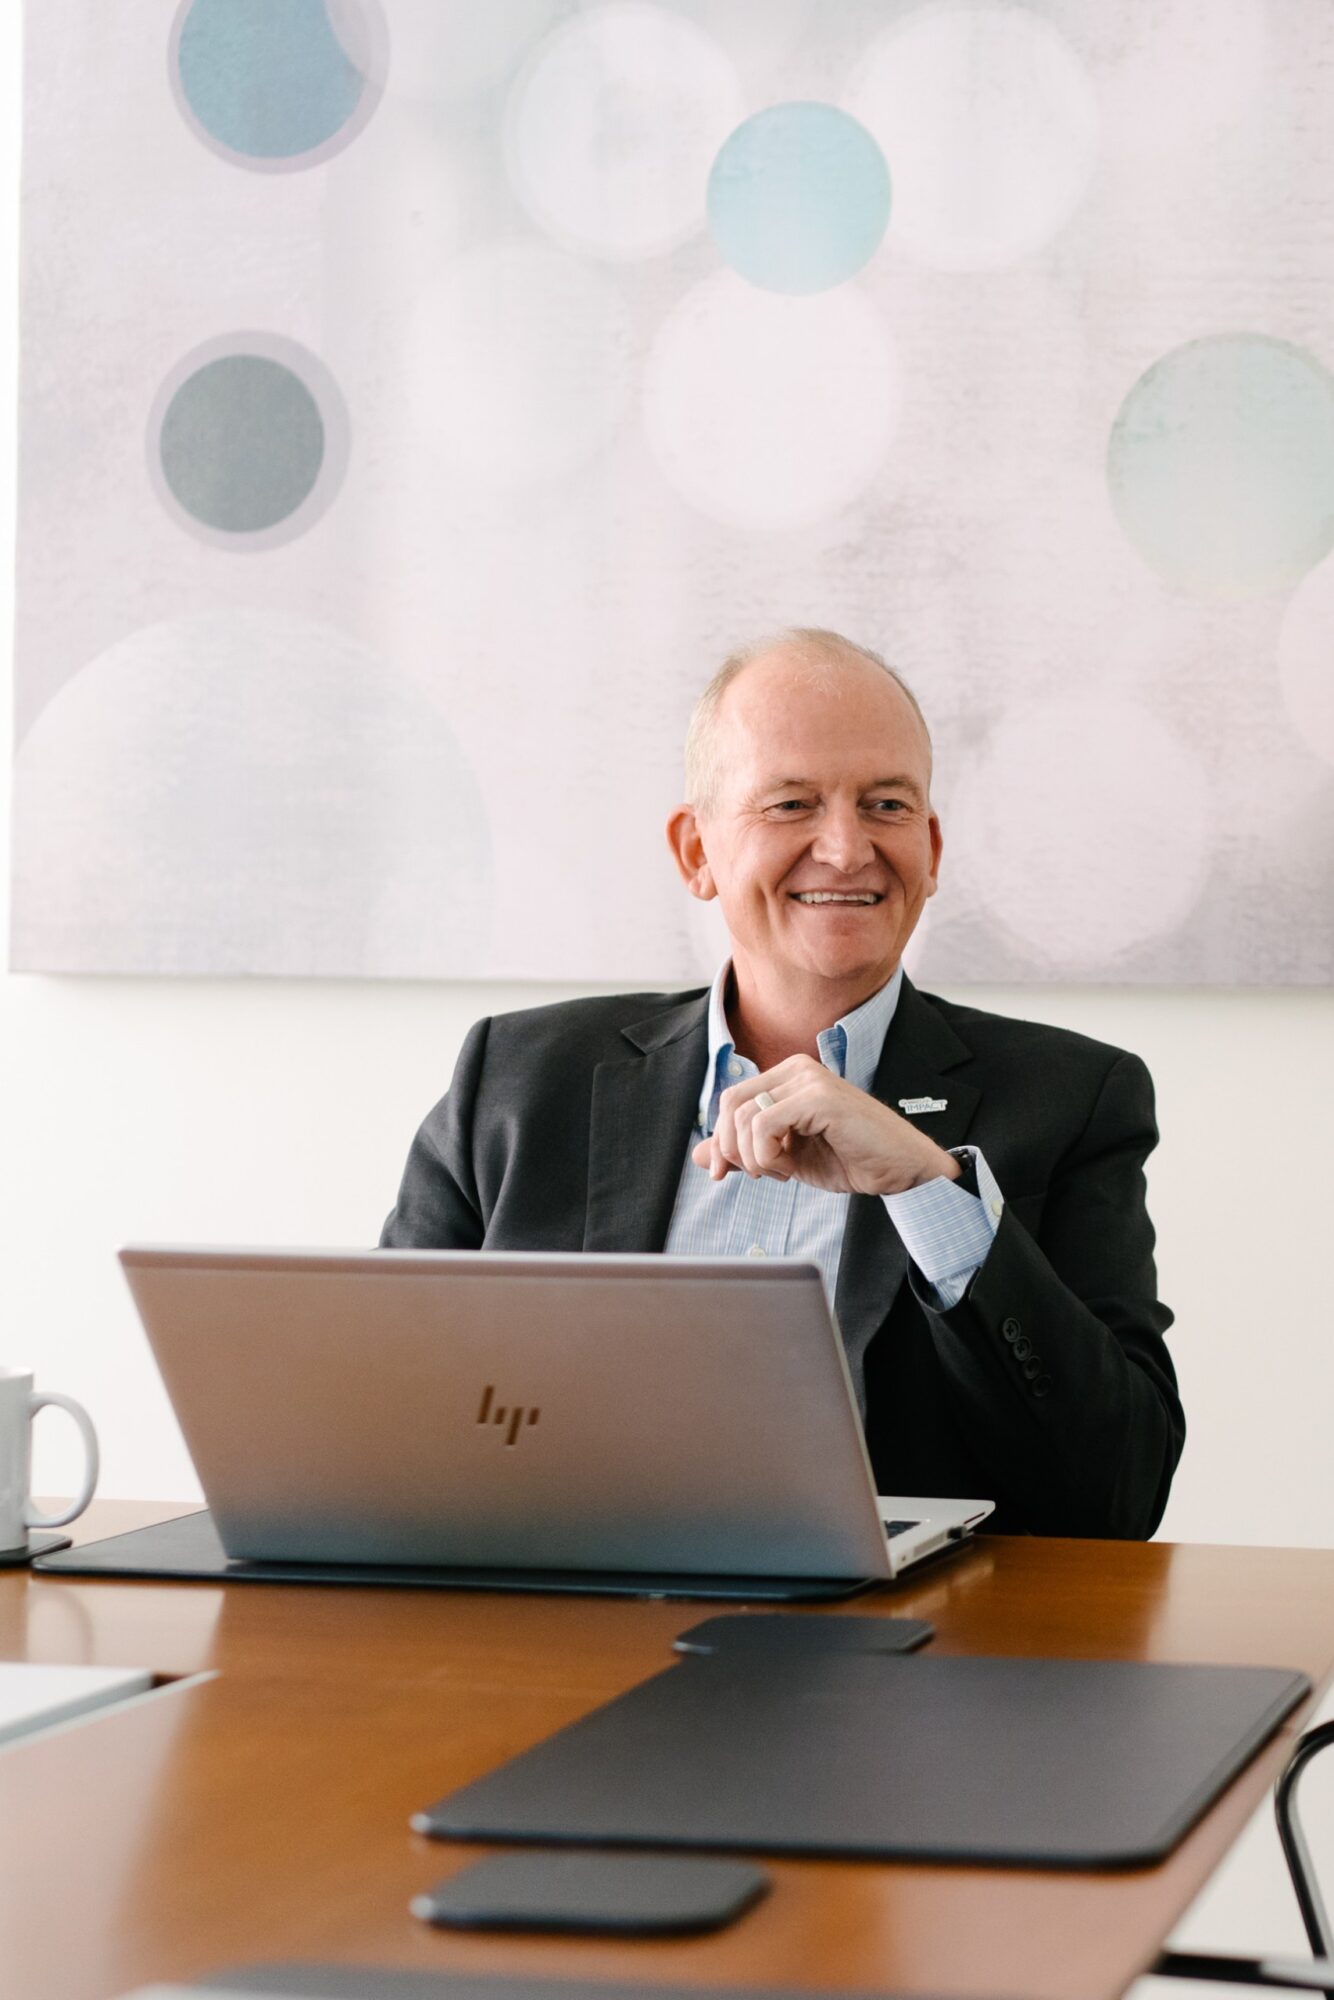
pixel 1010 1330
pixel 1022 1348
pixel 1032 1369
pixel 1042 1385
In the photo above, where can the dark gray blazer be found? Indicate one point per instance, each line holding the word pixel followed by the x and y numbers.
pixel 1048 1388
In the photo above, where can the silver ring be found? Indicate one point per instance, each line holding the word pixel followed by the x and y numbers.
pixel 763 1099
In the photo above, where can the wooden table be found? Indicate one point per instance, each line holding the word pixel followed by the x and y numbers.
pixel 262 1812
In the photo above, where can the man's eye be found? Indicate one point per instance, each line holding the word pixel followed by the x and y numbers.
pixel 789 805
pixel 890 806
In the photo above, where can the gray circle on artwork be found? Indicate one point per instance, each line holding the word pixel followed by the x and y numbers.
pixel 248 440
pixel 277 85
pixel 242 443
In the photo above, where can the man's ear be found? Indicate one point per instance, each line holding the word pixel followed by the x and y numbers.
pixel 937 846
pixel 686 841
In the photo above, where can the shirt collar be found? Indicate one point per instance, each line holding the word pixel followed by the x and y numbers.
pixel 850 1046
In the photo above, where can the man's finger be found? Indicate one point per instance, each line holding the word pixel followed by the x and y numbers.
pixel 743 1118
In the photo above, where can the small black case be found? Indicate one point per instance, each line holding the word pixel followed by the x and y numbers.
pixel 785 1634
pixel 637 1895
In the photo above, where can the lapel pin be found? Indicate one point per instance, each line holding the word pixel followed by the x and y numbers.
pixel 913 1107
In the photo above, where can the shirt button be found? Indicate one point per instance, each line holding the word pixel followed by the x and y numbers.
pixel 756 1250
pixel 996 1208
pixel 734 1069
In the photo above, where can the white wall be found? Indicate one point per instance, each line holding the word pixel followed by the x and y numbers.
pixel 278 1111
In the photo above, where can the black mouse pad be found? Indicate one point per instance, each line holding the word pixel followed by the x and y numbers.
pixel 789 1632
pixel 1045 1763
pixel 188 1547
pixel 579 1891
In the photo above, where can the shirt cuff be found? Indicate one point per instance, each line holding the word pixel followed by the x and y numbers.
pixel 947 1231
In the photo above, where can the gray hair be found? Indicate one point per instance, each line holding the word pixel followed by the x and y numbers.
pixel 813 648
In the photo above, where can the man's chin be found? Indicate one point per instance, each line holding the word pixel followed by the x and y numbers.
pixel 853 967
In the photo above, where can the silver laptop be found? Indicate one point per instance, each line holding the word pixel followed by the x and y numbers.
pixel 526 1411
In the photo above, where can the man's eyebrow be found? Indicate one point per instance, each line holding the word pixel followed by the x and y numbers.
pixel 901 784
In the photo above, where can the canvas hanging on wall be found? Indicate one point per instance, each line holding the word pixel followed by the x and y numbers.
pixel 419 399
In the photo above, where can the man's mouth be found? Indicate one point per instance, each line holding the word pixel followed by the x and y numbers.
pixel 864 896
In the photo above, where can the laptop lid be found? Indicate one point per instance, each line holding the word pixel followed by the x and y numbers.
pixel 556 1411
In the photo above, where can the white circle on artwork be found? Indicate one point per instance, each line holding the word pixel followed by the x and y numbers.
pixel 1306 661
pixel 757 37
pixel 517 364
pixel 1086 832
pixel 766 411
pixel 451 49
pixel 242 792
pixel 989 123
pixel 613 124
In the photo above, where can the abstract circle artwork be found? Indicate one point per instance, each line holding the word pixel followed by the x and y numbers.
pixel 482 373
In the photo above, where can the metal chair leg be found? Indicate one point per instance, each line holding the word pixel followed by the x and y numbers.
pixel 1295 1851
pixel 1315 1975
pixel 1307 1974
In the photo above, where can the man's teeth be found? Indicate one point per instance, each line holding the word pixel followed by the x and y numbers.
pixel 828 896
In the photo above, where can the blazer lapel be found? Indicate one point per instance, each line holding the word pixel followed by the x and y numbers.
pixel 920 1050
pixel 644 1109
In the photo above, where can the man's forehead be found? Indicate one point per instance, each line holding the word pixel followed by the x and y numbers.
pixel 833 722
pixel 825 737
pixel 788 689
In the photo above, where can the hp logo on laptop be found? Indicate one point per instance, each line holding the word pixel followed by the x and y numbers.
pixel 517 1416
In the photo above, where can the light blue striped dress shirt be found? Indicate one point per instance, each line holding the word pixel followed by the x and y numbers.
pixel 945 1230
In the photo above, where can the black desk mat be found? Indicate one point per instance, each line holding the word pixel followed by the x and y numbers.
pixel 372 1982
pixel 188 1547
pixel 1029 1762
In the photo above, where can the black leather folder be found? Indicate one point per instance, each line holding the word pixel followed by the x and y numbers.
pixel 1036 1762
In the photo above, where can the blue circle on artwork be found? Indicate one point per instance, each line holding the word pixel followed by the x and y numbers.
pixel 799 198
pixel 275 83
pixel 1220 464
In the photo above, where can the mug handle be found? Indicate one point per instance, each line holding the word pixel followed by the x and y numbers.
pixel 31 1517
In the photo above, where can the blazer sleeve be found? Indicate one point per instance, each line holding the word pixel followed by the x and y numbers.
pixel 1058 1370
pixel 439 1206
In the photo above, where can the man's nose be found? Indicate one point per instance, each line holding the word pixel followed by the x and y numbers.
pixel 843 840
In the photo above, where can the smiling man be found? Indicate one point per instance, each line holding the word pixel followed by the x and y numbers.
pixel 971 1186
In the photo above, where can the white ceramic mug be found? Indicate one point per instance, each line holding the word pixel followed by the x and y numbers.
pixel 18 1407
